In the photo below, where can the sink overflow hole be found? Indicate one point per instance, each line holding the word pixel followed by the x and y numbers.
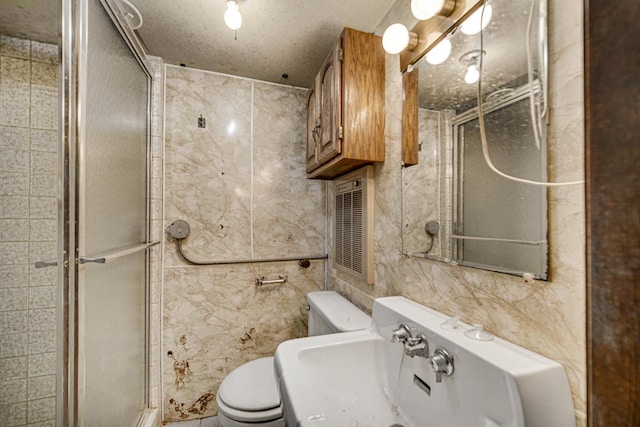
pixel 422 385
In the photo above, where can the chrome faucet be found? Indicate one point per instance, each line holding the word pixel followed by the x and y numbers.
pixel 401 334
pixel 414 345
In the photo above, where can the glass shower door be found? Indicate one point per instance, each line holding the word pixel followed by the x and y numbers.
pixel 112 225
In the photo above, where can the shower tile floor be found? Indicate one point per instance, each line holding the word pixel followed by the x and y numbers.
pixel 203 422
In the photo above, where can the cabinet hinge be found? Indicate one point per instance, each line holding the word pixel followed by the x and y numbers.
pixel 341 55
pixel 340 132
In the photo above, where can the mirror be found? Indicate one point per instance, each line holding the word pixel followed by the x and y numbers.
pixel 455 208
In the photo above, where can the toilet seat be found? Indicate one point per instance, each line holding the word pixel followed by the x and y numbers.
pixel 250 393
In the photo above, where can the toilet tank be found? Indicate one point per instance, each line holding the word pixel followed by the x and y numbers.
pixel 330 313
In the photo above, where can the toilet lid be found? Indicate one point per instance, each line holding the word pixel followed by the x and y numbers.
pixel 251 387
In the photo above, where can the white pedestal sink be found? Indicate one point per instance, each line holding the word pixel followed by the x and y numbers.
pixel 363 379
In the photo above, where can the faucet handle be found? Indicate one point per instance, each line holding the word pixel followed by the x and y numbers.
pixel 441 363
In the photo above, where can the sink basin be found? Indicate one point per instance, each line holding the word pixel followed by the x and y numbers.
pixel 363 379
pixel 337 371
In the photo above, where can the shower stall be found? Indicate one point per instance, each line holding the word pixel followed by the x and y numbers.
pixel 76 191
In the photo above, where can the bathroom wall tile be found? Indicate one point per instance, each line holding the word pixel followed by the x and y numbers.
pixel 156 147
pixel 41 409
pixel 44 140
pixel 42 251
pixel 14 47
pixel 14 207
pixel 14 71
pixel 14 414
pixel 49 423
pixel 14 160
pixel 42 276
pixel 42 342
pixel 41 387
pixel 42 364
pixel 156 126
pixel 13 322
pixel 282 227
pixel 235 322
pixel 13 345
pixel 43 207
pixel 44 162
pixel 44 74
pixel 13 391
pixel 156 171
pixel 15 138
pixel 14 184
pixel 208 171
pixel 13 252
pixel 14 104
pixel 13 276
pixel 44 52
pixel 42 319
pixel 43 230
pixel 43 185
pixel 13 367
pixel 42 297
pixel 13 299
pixel 14 230
pixel 44 107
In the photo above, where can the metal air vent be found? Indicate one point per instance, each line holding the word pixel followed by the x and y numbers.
pixel 353 224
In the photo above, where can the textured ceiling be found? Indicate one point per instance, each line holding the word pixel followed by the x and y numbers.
pixel 277 36
pixel 30 19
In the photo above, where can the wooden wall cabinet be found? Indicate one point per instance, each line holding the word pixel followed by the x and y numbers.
pixel 346 107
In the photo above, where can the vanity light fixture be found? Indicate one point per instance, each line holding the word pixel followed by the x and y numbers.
pixel 232 16
pixel 470 60
pixel 439 53
pixel 472 25
pixel 397 38
pixel 425 9
pixel 472 75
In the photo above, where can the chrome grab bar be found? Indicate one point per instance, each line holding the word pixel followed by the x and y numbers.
pixel 491 239
pixel 116 255
pixel 260 280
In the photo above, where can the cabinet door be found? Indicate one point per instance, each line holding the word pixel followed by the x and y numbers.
pixel 329 87
pixel 313 128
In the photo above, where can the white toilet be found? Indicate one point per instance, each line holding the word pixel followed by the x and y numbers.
pixel 249 396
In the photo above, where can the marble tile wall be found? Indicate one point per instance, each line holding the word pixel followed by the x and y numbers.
pixel 28 231
pixel 546 317
pixel 240 183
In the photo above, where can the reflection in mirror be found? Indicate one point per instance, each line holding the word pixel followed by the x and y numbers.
pixel 484 220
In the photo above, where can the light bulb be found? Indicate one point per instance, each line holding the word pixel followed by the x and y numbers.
pixel 395 38
pixel 425 9
pixel 439 53
pixel 472 24
pixel 232 16
pixel 472 75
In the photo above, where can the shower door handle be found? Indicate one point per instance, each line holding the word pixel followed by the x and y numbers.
pixel 44 264
pixel 108 258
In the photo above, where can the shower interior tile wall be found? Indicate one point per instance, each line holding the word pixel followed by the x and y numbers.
pixel 28 231
pixel 240 183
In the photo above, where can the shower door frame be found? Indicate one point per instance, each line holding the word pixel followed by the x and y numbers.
pixel 68 388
